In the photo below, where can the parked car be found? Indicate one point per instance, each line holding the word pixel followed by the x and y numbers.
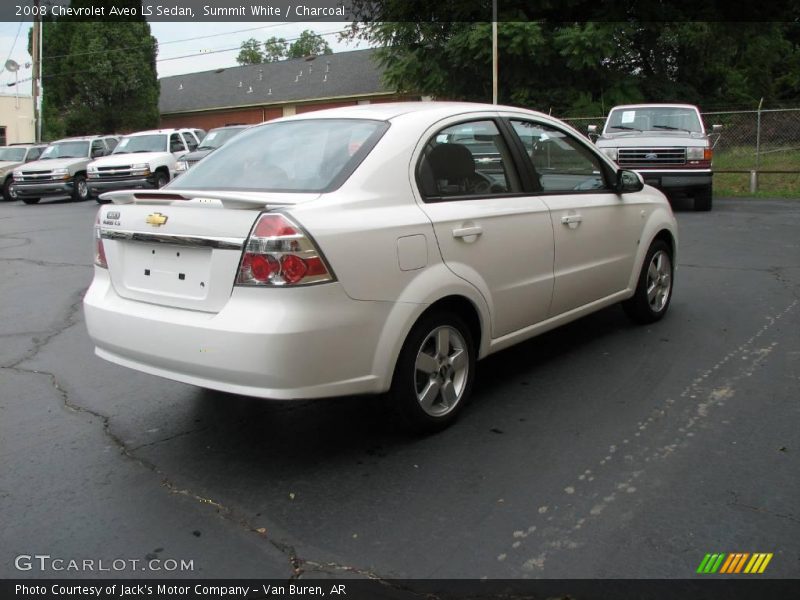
pixel 666 143
pixel 12 157
pixel 360 250
pixel 143 160
pixel 60 170
pixel 213 140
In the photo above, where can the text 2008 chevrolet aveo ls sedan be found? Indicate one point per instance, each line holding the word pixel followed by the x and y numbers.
pixel 374 248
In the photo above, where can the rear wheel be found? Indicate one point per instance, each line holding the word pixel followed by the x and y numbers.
pixel 703 198
pixel 31 200
pixel 654 288
pixel 434 373
pixel 81 191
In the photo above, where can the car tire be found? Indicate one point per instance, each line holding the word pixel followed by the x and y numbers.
pixel 31 200
pixel 101 201
pixel 162 179
pixel 7 190
pixel 81 191
pixel 438 355
pixel 653 294
pixel 703 199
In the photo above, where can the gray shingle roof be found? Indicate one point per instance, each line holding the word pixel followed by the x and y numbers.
pixel 328 76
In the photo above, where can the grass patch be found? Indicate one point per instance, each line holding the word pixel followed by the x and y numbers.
pixel 777 185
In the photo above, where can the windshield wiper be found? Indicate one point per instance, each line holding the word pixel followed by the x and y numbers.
pixel 625 127
pixel 205 148
pixel 671 128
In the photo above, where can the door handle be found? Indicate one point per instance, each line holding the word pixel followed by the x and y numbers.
pixel 569 219
pixel 467 231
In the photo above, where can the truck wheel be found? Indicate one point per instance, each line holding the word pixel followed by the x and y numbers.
pixel 81 191
pixel 434 373
pixel 161 179
pixel 653 292
pixel 31 200
pixel 703 198
pixel 7 190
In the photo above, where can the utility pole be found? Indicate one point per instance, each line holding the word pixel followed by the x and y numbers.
pixel 37 58
pixel 494 52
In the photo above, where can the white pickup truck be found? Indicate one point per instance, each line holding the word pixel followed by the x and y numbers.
pixel 666 144
pixel 143 160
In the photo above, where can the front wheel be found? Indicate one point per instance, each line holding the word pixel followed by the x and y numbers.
pixel 162 179
pixel 703 199
pixel 31 200
pixel 434 373
pixel 81 191
pixel 654 288
pixel 8 196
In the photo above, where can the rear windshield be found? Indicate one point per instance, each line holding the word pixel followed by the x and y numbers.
pixel 312 155
pixel 654 118
pixel 66 150
pixel 142 143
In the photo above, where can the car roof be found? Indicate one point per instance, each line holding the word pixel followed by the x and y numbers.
pixel 166 131
pixel 392 110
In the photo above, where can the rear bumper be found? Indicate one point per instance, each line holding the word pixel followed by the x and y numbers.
pixel 40 189
pixel 284 344
pixel 676 180
pixel 98 186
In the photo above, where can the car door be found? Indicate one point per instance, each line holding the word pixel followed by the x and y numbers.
pixel 596 230
pixel 489 231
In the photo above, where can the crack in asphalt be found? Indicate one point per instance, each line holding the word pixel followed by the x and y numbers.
pixel 43 263
pixel 759 509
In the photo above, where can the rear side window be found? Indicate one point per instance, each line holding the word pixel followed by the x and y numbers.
pixel 311 155
pixel 561 163
pixel 191 143
pixel 468 159
pixel 176 143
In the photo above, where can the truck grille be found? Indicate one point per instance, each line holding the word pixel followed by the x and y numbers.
pixel 114 172
pixel 36 175
pixel 651 157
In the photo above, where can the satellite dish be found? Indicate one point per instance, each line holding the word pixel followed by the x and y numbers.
pixel 12 65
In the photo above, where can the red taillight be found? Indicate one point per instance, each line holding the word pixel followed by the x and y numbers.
pixel 279 253
pixel 708 154
pixel 99 250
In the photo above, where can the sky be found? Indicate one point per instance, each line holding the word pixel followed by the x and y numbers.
pixel 210 45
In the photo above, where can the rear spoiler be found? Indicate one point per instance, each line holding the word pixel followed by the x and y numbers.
pixel 208 198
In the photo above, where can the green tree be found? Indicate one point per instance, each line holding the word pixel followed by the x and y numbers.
pixel 250 53
pixel 309 43
pixel 274 49
pixel 98 77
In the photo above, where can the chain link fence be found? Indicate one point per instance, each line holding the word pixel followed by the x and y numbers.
pixel 758 151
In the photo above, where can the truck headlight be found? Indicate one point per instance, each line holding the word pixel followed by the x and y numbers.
pixel 181 166
pixel 140 169
pixel 610 152
pixel 695 153
pixel 17 175
pixel 60 173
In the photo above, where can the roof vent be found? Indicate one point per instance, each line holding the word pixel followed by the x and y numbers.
pixel 180 86
pixel 269 93
pixel 261 74
pixel 325 78
pixel 240 84
pixel 250 89
pixel 220 70
pixel 296 78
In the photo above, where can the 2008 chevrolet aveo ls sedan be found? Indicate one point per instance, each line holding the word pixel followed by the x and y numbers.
pixel 374 248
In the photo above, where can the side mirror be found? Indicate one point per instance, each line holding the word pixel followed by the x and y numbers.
pixel 592 129
pixel 628 182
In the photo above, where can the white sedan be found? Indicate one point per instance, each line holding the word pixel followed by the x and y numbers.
pixel 374 248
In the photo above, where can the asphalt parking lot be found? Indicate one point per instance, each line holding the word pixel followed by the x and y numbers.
pixel 600 450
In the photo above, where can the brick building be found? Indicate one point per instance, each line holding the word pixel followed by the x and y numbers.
pixel 256 93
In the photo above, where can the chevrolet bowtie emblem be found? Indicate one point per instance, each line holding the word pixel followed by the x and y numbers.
pixel 156 219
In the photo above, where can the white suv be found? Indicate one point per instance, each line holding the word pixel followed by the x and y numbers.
pixel 143 160
pixel 371 249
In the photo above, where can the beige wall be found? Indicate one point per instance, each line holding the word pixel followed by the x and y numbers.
pixel 16 115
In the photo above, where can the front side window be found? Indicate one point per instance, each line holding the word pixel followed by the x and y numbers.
pixel 176 144
pixel 561 163
pixel 12 154
pixel 191 143
pixel 311 155
pixel 468 159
